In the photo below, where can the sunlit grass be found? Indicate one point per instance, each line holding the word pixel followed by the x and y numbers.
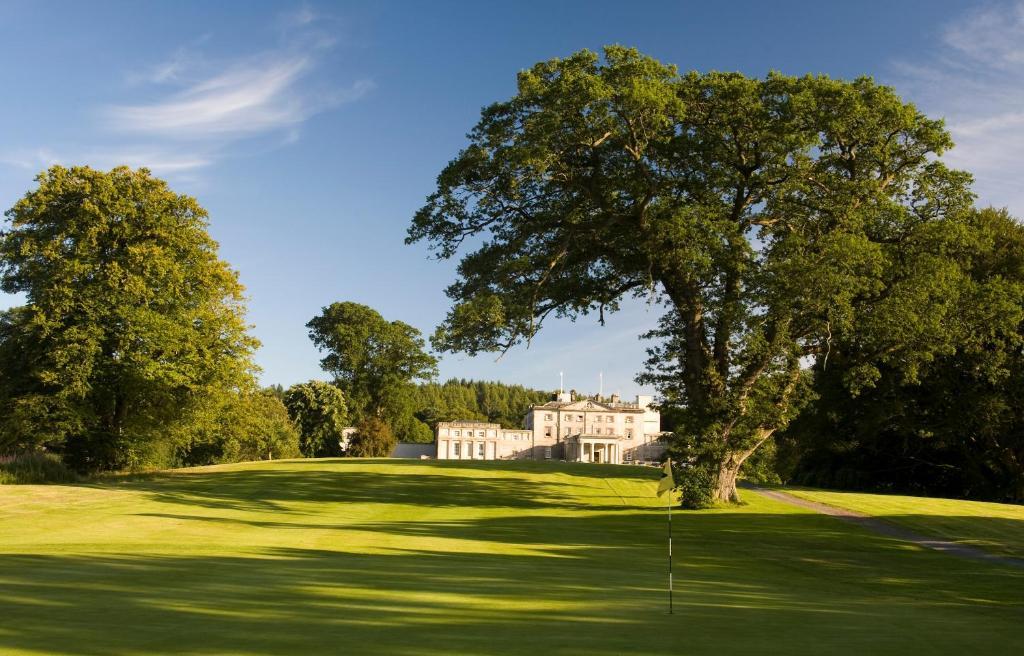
pixel 996 527
pixel 411 557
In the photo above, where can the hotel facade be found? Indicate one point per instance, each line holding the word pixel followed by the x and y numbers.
pixel 577 430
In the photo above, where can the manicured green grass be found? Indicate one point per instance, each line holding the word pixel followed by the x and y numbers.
pixel 410 558
pixel 996 527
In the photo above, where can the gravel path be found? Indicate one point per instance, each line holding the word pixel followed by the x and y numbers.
pixel 891 530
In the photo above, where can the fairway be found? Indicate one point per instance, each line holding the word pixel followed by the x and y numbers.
pixel 425 557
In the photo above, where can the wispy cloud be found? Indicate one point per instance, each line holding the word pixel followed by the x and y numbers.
pixel 201 105
pixel 255 97
pixel 975 78
pixel 163 161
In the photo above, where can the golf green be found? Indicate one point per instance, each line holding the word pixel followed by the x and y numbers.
pixel 424 557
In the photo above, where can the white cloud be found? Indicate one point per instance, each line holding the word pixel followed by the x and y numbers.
pixel 253 98
pixel 160 161
pixel 246 99
pixel 975 78
pixel 200 106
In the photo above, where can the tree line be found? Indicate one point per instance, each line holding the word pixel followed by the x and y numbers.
pixel 836 309
pixel 131 349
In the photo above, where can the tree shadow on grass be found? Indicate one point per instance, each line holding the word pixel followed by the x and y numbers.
pixel 422 483
pixel 746 583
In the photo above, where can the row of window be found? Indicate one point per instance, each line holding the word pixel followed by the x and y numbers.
pixel 506 436
pixel 598 418
pixel 594 430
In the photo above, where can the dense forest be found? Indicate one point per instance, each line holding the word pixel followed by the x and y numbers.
pixel 491 401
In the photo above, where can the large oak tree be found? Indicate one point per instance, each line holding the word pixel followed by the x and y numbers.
pixel 768 216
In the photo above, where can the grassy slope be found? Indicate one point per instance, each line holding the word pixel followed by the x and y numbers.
pixel 996 527
pixel 408 557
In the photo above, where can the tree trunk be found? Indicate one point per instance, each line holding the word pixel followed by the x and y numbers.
pixel 729 468
pixel 725 486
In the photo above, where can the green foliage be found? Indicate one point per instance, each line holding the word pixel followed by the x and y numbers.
pixel 319 412
pixel 408 428
pixel 771 217
pixel 373 439
pixel 475 400
pixel 34 468
pixel 237 426
pixel 129 317
pixel 375 362
pixel 695 484
pixel 957 428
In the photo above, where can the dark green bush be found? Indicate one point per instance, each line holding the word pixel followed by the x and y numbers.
pixel 34 468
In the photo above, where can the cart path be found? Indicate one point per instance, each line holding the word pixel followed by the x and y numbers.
pixel 890 530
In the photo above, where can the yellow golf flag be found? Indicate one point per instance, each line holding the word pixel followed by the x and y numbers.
pixel 667 482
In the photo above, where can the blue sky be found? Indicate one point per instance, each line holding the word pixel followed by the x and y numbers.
pixel 312 132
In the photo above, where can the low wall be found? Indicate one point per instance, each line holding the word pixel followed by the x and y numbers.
pixel 414 450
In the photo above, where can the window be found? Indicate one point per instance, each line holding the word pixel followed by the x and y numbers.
pixel 629 420
pixel 456 449
pixel 579 417
pixel 547 431
pixel 480 449
pixel 547 417
pixel 457 433
pixel 479 433
pixel 547 453
pixel 597 431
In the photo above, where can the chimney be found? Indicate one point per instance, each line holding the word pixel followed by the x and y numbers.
pixel 615 398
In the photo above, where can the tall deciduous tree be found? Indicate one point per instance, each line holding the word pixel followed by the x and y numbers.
pixel 374 361
pixel 767 215
pixel 130 316
pixel 958 432
pixel 319 411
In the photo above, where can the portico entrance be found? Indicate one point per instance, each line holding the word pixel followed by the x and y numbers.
pixel 593 448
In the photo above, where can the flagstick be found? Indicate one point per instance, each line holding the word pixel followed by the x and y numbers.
pixel 670 552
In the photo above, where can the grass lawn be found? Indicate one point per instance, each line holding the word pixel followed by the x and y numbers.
pixel 996 527
pixel 411 557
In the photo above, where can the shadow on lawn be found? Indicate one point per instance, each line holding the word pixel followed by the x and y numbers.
pixel 348 481
pixel 753 583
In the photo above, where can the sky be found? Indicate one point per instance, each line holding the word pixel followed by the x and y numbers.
pixel 312 132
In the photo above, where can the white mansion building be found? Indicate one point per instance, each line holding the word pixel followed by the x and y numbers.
pixel 578 430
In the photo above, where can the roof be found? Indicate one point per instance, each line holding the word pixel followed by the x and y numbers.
pixel 589 405
pixel 469 424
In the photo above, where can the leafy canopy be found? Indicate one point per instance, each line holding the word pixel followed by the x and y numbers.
pixel 374 361
pixel 319 412
pixel 129 314
pixel 768 216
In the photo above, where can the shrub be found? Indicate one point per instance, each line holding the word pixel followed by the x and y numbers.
pixel 34 468
pixel 373 439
